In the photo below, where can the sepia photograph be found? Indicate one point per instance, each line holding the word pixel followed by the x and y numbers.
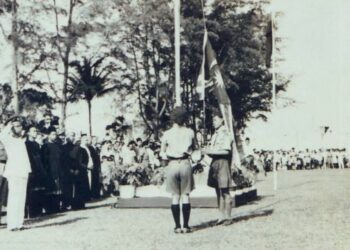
pixel 174 124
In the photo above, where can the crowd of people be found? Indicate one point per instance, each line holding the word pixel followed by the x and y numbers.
pixel 49 170
pixel 302 159
pixel 45 170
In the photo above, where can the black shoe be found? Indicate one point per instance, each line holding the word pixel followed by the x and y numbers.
pixel 17 229
pixel 177 230
pixel 220 221
pixel 187 230
pixel 227 222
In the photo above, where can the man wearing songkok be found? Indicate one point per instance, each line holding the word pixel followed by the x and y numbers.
pixel 46 125
pixel 67 165
pixel 52 159
pixel 38 179
pixel 81 166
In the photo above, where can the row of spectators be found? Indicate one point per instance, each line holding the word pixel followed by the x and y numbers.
pixel 302 159
pixel 69 169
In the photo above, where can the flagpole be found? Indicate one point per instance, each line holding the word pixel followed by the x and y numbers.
pixel 177 53
pixel 204 106
pixel 274 106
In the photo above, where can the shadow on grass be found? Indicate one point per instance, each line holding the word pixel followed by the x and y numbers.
pixel 61 223
pixel 233 220
pixel 110 204
pixel 43 218
pixel 256 200
pixel 35 220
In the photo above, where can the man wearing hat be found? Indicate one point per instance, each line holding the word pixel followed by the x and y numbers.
pixel 16 171
pixel 177 145
pixel 220 172
pixel 82 163
pixel 67 164
pixel 61 137
pixel 46 125
pixel 52 159
pixel 38 180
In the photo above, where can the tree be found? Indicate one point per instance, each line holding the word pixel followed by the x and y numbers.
pixel 32 50
pixel 150 52
pixel 64 44
pixel 6 96
pixel 31 101
pixel 237 36
pixel 8 9
pixel 91 80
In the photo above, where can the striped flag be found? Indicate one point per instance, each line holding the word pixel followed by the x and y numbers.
pixel 219 90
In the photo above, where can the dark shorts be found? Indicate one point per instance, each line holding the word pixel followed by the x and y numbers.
pixel 220 174
pixel 179 178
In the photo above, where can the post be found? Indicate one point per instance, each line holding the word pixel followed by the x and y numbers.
pixel 273 98
pixel 177 53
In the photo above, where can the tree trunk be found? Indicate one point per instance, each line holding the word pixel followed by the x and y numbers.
pixel 64 94
pixel 89 110
pixel 139 90
pixel 65 58
pixel 14 36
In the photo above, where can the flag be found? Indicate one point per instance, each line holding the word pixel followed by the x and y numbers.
pixel 201 78
pixel 269 37
pixel 219 90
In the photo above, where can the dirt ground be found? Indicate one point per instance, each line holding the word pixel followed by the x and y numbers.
pixel 310 210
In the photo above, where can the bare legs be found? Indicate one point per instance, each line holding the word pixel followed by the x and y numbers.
pixel 224 203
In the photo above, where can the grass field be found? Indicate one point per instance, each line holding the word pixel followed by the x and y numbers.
pixel 310 210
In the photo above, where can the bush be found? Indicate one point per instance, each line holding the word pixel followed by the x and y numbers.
pixel 158 176
pixel 136 175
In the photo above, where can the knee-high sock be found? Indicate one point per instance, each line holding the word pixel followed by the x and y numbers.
pixel 186 211
pixel 175 209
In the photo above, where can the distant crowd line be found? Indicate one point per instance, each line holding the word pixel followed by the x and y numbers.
pixel 301 159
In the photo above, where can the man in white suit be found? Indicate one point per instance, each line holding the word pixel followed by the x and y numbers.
pixel 16 171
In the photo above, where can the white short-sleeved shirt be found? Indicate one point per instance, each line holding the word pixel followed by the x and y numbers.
pixel 221 139
pixel 128 155
pixel 17 164
pixel 178 141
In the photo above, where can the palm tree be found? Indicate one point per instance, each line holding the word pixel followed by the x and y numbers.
pixel 91 80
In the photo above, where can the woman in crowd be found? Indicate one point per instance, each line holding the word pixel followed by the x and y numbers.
pixel 108 165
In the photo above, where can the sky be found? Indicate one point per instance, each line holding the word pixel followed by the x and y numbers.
pixel 316 38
